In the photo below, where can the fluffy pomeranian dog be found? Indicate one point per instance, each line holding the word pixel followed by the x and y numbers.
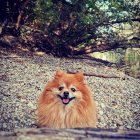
pixel 66 102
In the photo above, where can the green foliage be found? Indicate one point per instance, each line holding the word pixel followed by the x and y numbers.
pixel 77 22
pixel 41 10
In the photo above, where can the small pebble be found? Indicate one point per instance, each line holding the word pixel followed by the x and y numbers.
pixel 31 105
pixel 101 112
pixel 102 105
pixel 4 125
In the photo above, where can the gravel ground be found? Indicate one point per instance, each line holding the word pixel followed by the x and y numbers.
pixel 23 76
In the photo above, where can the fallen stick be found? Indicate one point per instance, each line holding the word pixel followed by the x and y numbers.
pixel 5 57
pixel 97 75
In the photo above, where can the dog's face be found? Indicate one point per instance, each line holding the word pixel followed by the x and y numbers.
pixel 67 92
pixel 67 88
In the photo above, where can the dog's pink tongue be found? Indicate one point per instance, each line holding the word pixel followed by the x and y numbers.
pixel 65 101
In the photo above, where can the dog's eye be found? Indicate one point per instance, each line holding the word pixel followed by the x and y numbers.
pixel 73 89
pixel 61 88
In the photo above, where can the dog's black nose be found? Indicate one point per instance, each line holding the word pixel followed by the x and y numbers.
pixel 66 94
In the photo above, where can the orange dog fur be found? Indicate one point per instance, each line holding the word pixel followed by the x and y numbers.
pixel 66 102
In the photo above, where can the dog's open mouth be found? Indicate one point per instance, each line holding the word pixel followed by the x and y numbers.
pixel 66 100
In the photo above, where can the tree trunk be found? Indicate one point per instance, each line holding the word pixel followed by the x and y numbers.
pixel 21 12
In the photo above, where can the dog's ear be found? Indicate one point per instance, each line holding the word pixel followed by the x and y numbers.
pixel 79 76
pixel 59 73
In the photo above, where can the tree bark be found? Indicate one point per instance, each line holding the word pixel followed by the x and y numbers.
pixel 71 134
